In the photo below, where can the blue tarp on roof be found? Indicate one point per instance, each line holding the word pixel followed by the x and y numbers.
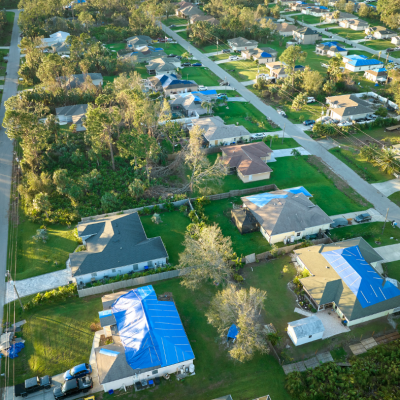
pixel 329 43
pixel 265 54
pixel 360 277
pixel 323 8
pixel 105 313
pixel 381 70
pixel 207 92
pixel 357 57
pixel 151 331
pixel 361 63
pixel 299 189
pixel 108 352
pixel 260 200
pixel 233 331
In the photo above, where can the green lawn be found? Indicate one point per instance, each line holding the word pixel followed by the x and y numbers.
pixel 278 44
pixel 141 69
pixel 310 111
pixel 5 38
pixel 237 113
pixel 314 60
pixel 309 19
pixel 348 33
pixel 211 48
pixel 58 337
pixel 1 82
pixel 116 46
pixel 377 44
pixel 395 54
pixel 395 197
pixel 171 48
pixel 361 53
pixel 370 232
pixel 361 166
pixel 223 56
pixel 37 258
pixel 245 70
pixel 288 172
pixel 393 269
pixel 329 26
pixel 172 232
pixel 174 21
pixel 184 35
pixel 201 75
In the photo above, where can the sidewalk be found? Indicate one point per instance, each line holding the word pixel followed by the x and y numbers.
pixel 287 153
pixel 389 253
pixel 388 187
pixel 248 83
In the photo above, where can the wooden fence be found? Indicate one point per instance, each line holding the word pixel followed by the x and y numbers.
pixel 242 192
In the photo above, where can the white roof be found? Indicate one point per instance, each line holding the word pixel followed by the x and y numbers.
pixel 307 326
pixel 58 37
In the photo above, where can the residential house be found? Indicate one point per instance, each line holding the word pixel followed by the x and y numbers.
pixel 356 63
pixel 285 29
pixel 305 330
pixel 380 32
pixel 216 133
pixel 148 340
pixel 277 69
pixel 330 49
pixel 188 106
pixel 61 48
pixel 316 11
pixel 206 18
pixel 306 35
pixel 347 107
pixel 263 55
pixel 396 40
pixel 137 42
pixel 298 6
pixel 242 44
pixel 171 84
pixel 145 55
pixel 77 80
pixel 57 37
pixel 188 11
pixel 376 75
pixel 286 215
pixel 249 161
pixel 341 17
pixel 159 66
pixel 354 24
pixel 347 278
pixel 72 115
pixel 115 245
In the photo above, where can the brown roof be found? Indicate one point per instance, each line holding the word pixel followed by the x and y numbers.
pixel 205 18
pixel 285 27
pixel 247 158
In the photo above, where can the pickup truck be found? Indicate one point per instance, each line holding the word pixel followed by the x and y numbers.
pixel 72 387
pixel 32 385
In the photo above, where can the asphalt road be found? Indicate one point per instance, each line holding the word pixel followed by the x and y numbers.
pixel 6 155
pixel 379 201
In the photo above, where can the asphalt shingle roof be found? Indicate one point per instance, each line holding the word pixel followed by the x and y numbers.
pixel 215 130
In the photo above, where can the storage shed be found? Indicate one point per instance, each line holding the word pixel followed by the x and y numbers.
pixel 305 330
pixel 244 220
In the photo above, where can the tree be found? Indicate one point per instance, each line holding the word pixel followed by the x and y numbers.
pixel 363 10
pixel 243 308
pixel 387 162
pixel 156 219
pixel 109 201
pixel 295 153
pixel 341 5
pixel 136 188
pixel 207 105
pixel 369 152
pixel 350 7
pixel 168 8
pixel 336 13
pixel 291 57
pixel 299 101
pixel 86 18
pixel 276 12
pixel 312 82
pixel 206 256
pixel 41 203
pixel 334 70
pixel 329 87
pixel 390 12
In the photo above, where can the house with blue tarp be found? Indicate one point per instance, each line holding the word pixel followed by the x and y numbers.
pixel 330 49
pixel 286 215
pixel 263 55
pixel 347 278
pixel 376 75
pixel 357 63
pixel 149 340
pixel 171 84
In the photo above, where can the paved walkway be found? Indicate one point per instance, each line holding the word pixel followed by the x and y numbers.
pixel 38 284
pixel 379 201
pixel 389 253
pixel 4 47
pixel 238 99
pixel 388 187
pixel 220 88
pixel 249 83
pixel 287 153
pixel 6 155
pixel 376 216
pixel 312 363
pixel 332 323
pixel 224 61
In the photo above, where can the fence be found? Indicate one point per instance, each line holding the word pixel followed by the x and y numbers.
pixel 234 193
pixel 142 280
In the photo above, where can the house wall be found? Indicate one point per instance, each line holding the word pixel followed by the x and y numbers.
pixel 395 40
pixel 266 60
pixel 285 33
pixel 333 54
pixel 303 340
pixel 357 27
pixel 112 272
pixel 240 48
pixel 129 381
pixel 332 113
pixel 378 35
pixel 309 39
pixel 227 141
pixel 180 90
pixel 254 177
pixel 362 67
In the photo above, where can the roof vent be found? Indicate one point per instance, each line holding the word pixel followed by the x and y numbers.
pixel 327 267
pixel 120 248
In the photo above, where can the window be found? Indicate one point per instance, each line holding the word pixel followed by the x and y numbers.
pixel 135 267
pixel 113 270
pixel 94 274
pixel 154 372
pixel 250 177
pixel 298 233
pixel 310 336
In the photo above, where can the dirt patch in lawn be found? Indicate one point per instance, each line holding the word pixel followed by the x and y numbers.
pixel 338 182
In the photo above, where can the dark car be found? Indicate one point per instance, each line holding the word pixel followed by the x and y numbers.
pixel 186 64
pixel 172 26
pixel 390 108
pixel 32 385
pixel 224 84
pixel 171 55
pixel 308 122
pixel 197 64
pixel 226 51
pixel 363 218
pixel 389 50
pixel 72 387
pixel 338 222
pixel 78 371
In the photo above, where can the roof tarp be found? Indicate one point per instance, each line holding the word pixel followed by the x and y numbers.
pixel 366 284
pixel 260 200
pixel 300 189
pixel 233 331
pixel 150 330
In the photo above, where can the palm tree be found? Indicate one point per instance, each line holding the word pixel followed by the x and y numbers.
pixel 368 152
pixel 388 162
pixel 207 105
pixel 295 153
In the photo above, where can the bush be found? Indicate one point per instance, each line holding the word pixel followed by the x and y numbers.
pixel 382 112
pixel 61 293
pixel 238 278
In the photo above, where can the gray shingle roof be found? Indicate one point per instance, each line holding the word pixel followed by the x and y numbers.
pixel 115 242
pixel 78 79
pixel 349 104
pixel 77 109
pixel 242 42
pixel 215 130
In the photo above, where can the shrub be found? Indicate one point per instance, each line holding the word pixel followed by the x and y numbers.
pixel 95 326
pixel 238 278
pixel 53 295
pixel 41 235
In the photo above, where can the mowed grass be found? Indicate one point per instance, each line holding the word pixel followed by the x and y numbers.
pixel 237 112
pixel 174 21
pixel 348 33
pixel 361 166
pixel 116 46
pixel 393 269
pixel 171 48
pixel 37 258
pixel 5 38
pixel 371 232
pixel 243 71
pixel 378 44
pixel 310 19
pixel 395 197
pixel 58 337
pixel 172 231
pixel 201 75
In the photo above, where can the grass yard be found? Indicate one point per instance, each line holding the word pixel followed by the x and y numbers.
pixel 395 197
pixel 395 54
pixel 237 112
pixel 348 33
pixel 174 21
pixel 314 60
pixel 329 26
pixel 377 44
pixel 361 166
pixel 184 35
pixel 5 38
pixel 223 56
pixel 201 75
pixel 245 70
pixel 361 53
pixel 310 19
pixel 37 258
pixel 141 69
pixel 172 232
pixel 310 111
pixel 171 48
pixel 213 48
pixel 370 232
pixel 58 337
pixel 116 46
pixel 2 82
pixel 278 44
pixel 393 269
pixel 219 211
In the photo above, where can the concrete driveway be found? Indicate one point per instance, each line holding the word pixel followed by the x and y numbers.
pixel 389 253
pixel 287 153
pixel 388 187
pixel 376 216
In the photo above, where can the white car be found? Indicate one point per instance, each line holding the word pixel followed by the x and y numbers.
pixel 262 76
pixel 324 65
pixel 202 87
pixel 233 58
pixel 258 136
pixel 345 123
pixel 311 100
pixel 368 37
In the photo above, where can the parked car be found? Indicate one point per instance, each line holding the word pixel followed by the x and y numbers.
pixel 363 218
pixel 186 64
pixel 226 50
pixel 311 100
pixel 162 40
pixel 281 112
pixel 308 122
pixel 198 64
pixel 171 55
pixel 172 26
pixel 345 123
pixel 390 108
pixel 224 84
pixel 202 87
pixel 368 37
pixel 258 136
pixel 72 387
pixel 233 58
pixel 338 222
pixel 78 371
pixel 220 95
pixel 390 50
pixel 32 385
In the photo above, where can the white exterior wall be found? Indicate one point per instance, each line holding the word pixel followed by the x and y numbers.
pixel 129 381
pixel 227 141
pixel 280 237
pixel 87 278
pixel 370 317
pixel 347 117
pixel 362 67
pixel 286 33
pixel 241 48
pixel 97 82
pixel 356 28
pixel 303 340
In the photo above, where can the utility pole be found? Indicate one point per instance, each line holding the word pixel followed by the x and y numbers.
pixel 387 212
pixel 217 46
pixel 283 132
pixel 15 288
